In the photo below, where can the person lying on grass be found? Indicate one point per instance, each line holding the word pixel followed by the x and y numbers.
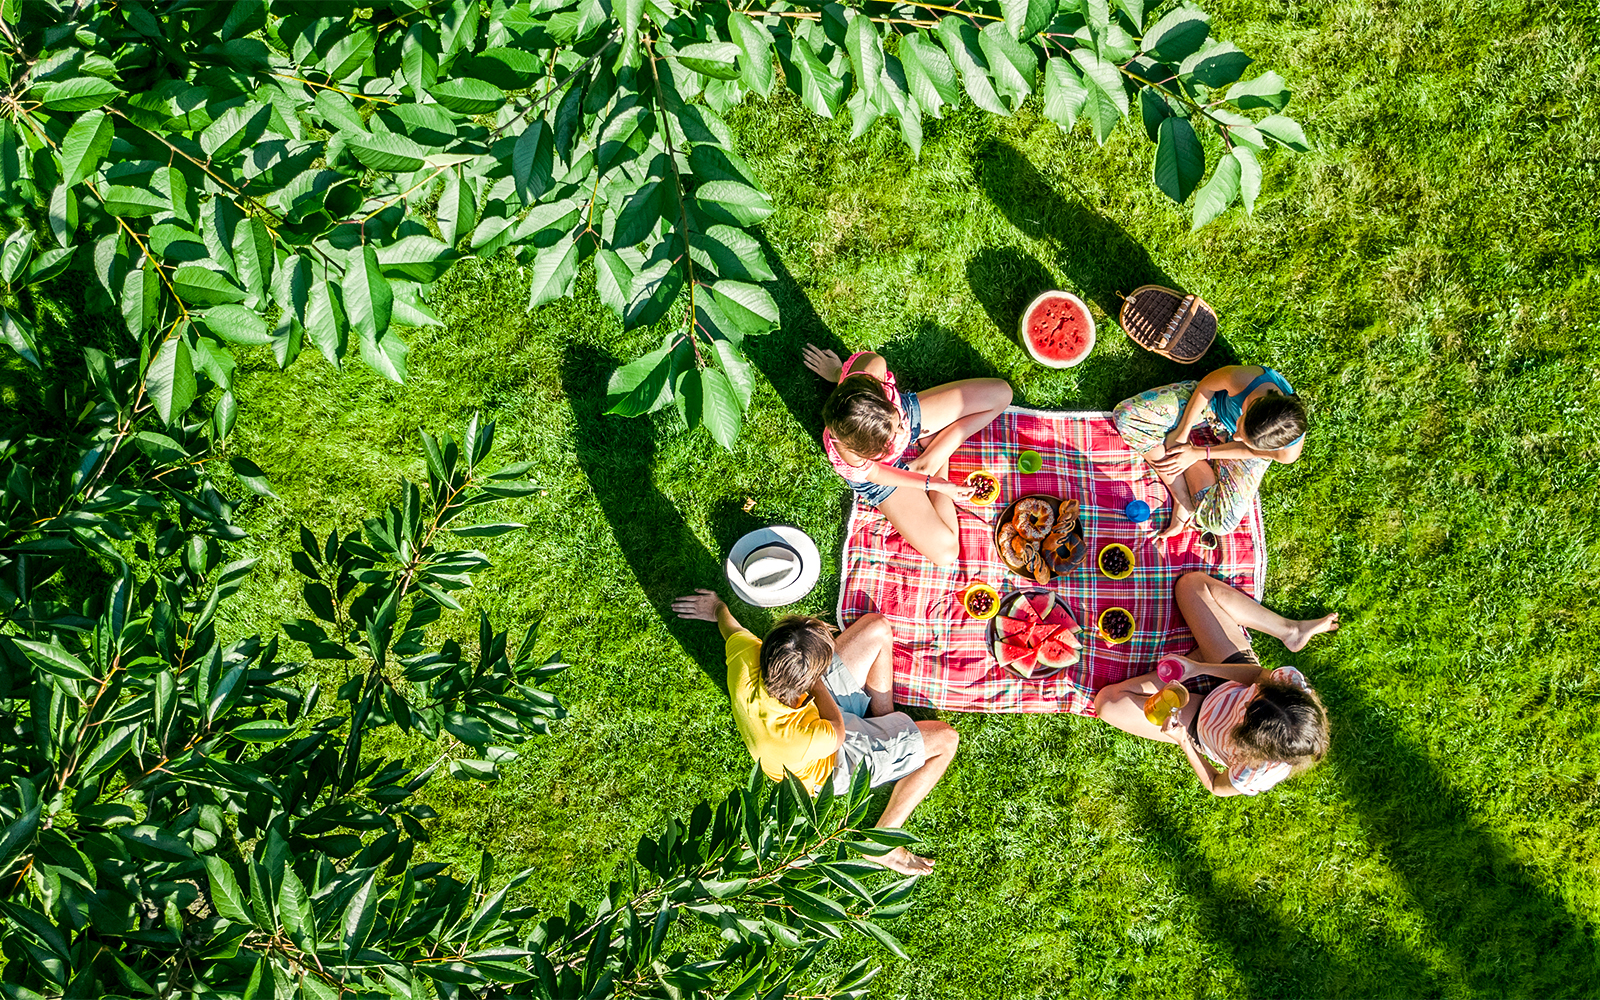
pixel 821 707
pixel 869 426
pixel 1252 418
pixel 1261 726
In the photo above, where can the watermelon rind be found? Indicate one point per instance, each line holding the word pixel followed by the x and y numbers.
pixel 1055 654
pixel 1042 603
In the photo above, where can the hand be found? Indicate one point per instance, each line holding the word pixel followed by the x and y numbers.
pixel 960 492
pixel 700 606
pixel 1176 438
pixel 1178 459
pixel 1174 725
pixel 824 363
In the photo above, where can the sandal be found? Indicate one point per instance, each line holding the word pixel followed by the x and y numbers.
pixel 1208 541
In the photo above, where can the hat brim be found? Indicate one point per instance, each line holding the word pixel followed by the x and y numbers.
pixel 780 534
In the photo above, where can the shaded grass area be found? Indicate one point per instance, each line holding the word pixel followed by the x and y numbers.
pixel 1427 278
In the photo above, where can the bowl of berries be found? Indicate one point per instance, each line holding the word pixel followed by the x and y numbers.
pixel 981 601
pixel 1116 561
pixel 1116 625
pixel 988 485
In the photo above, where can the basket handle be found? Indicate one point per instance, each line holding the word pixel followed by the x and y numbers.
pixel 1179 323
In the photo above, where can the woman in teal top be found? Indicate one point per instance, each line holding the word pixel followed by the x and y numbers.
pixel 1248 417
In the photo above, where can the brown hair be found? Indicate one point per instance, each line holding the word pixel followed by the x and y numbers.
pixel 860 415
pixel 1274 421
pixel 1283 722
pixel 794 654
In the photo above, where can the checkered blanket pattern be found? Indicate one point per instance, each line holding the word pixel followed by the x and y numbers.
pixel 942 657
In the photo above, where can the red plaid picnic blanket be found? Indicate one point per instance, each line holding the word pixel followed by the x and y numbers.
pixel 942 657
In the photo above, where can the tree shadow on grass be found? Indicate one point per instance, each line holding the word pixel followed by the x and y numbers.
pixel 778 354
pixel 1099 259
pixel 667 558
pixel 1504 934
pixel 928 354
pixel 1268 951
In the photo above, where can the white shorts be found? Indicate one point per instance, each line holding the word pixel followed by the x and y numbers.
pixel 890 746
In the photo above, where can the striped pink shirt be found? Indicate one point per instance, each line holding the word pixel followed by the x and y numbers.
pixel 902 440
pixel 1220 715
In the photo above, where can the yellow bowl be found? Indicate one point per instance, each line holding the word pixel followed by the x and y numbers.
pixel 989 475
pixel 1100 625
pixel 981 588
pixel 1125 551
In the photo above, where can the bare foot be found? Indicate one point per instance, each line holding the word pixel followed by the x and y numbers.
pixel 903 861
pixel 1176 522
pixel 824 363
pixel 1301 632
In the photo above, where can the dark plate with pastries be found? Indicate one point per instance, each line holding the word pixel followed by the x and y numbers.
pixel 1038 538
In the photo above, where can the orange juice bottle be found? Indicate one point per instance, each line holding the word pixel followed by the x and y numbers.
pixel 1165 702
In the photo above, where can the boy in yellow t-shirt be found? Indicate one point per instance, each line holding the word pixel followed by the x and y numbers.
pixel 820 707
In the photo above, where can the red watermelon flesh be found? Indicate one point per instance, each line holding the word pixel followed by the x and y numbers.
pixel 1013 626
pixel 1055 654
pixel 1022 610
pixel 1025 662
pixel 1042 603
pixel 1058 331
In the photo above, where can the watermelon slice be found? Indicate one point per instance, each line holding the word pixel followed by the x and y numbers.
pixel 1025 663
pixel 1042 603
pixel 1013 626
pixel 1057 329
pixel 1055 654
pixel 1022 610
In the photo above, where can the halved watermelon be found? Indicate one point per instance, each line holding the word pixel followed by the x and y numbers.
pixel 1057 329
pixel 1055 654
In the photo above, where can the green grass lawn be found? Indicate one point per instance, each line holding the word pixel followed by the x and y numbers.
pixel 1426 277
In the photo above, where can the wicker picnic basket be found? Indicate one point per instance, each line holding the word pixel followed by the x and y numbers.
pixel 1173 325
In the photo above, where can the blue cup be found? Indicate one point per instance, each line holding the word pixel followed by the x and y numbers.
pixel 1138 511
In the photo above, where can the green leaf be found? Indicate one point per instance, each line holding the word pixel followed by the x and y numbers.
pixel 555 268
pixel 1153 110
pixel 141 295
pixel 613 281
pixel 1026 18
pixel 1177 35
pixel 866 51
pixel 367 295
pixel 720 411
pixel 750 307
pixel 337 113
pixel 131 202
pixel 1218 193
pixel 53 659
pixel 420 258
pixel 714 59
pixel 223 415
pixel 79 94
pixel 18 332
pixel 881 936
pixel 755 58
pixel 638 217
pixel 386 356
pixel 359 915
pixel 325 320
pixel 961 40
pixel 201 286
pixel 1216 65
pixel 14 255
pixel 1101 74
pixel 820 90
pixel 1266 91
pixel 251 476
pixel 63 214
pixel 86 144
pixel 18 835
pixel 386 151
pixel 458 208
pixel 487 530
pixel 533 161
pixel 746 204
pixel 1180 162
pixel 1284 131
pixel 226 898
pixel 294 909
pixel 235 129
pixel 1064 93
pixel 253 258
pixel 641 385
pixel 155 844
pixel 468 96
pixel 929 73
pixel 1249 177
pixel 170 382
pixel 236 325
pixel 1012 64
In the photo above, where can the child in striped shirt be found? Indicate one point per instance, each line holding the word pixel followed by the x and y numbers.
pixel 1259 726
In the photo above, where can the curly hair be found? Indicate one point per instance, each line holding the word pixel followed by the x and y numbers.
pixel 1273 420
pixel 860 415
pixel 1283 722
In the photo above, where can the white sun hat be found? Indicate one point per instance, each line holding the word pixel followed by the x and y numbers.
pixel 773 566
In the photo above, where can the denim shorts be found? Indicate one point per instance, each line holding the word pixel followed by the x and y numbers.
pixel 873 493
pixel 888 746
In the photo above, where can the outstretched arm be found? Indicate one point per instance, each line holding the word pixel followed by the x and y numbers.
pixel 1215 781
pixel 705 606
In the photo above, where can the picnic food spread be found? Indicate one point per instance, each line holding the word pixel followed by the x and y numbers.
pixel 1036 537
pixel 1116 625
pixel 1116 561
pixel 988 488
pixel 1036 635
pixel 1057 329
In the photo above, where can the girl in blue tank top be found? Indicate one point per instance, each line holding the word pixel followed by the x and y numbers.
pixel 1251 418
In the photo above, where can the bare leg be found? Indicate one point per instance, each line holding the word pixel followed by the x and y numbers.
pixel 1177 486
pixel 867 649
pixel 954 412
pixel 940 740
pixel 928 521
pixel 1215 612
